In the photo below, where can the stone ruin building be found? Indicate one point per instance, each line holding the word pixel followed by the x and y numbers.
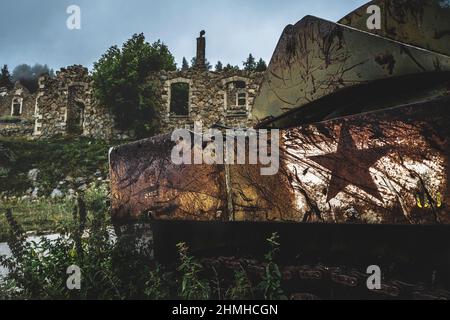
pixel 65 105
pixel 207 97
pixel 17 109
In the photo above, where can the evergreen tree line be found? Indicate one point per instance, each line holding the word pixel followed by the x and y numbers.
pixel 28 75
pixel 250 64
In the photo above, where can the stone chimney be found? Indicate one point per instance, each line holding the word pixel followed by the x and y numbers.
pixel 200 62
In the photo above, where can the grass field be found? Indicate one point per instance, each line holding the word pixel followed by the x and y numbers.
pixel 55 159
pixel 41 216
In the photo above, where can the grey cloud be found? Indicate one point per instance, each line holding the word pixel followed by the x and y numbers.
pixel 35 31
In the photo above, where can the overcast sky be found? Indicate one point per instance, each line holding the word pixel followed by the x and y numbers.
pixel 35 30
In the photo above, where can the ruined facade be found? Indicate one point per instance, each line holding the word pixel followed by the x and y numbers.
pixel 18 102
pixel 16 111
pixel 65 104
pixel 199 96
pixel 194 96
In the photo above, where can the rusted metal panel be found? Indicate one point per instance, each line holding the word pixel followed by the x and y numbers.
pixel 262 198
pixel 372 96
pixel 384 167
pixel 145 182
pixel 422 23
pixel 316 58
pixel 373 167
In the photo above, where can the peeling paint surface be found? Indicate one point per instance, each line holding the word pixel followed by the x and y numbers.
pixel 394 156
pixel 144 181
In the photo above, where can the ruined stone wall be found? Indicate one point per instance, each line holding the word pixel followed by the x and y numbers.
pixel 212 99
pixel 20 129
pixel 18 103
pixel 66 106
pixel 16 111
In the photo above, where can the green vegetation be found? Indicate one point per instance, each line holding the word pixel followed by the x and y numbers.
pixel 241 288
pixel 121 83
pixel 5 78
pixel 207 63
pixel 56 159
pixel 229 68
pixel 185 65
pixel 192 287
pixel 261 65
pixel 219 66
pixel 41 215
pixel 251 65
pixel 114 268
pixel 38 270
pixel 10 119
pixel 271 281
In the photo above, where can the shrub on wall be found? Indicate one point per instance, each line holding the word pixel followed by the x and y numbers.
pixel 121 83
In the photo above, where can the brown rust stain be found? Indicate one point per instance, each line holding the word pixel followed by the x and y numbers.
pixel 387 61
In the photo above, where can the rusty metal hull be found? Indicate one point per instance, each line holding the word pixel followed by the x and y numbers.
pixel 145 181
pixel 315 58
pixel 372 167
pixel 385 167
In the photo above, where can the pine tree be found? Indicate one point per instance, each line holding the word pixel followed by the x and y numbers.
pixel 5 78
pixel 219 66
pixel 185 65
pixel 261 66
pixel 207 64
pixel 250 63
pixel 229 67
